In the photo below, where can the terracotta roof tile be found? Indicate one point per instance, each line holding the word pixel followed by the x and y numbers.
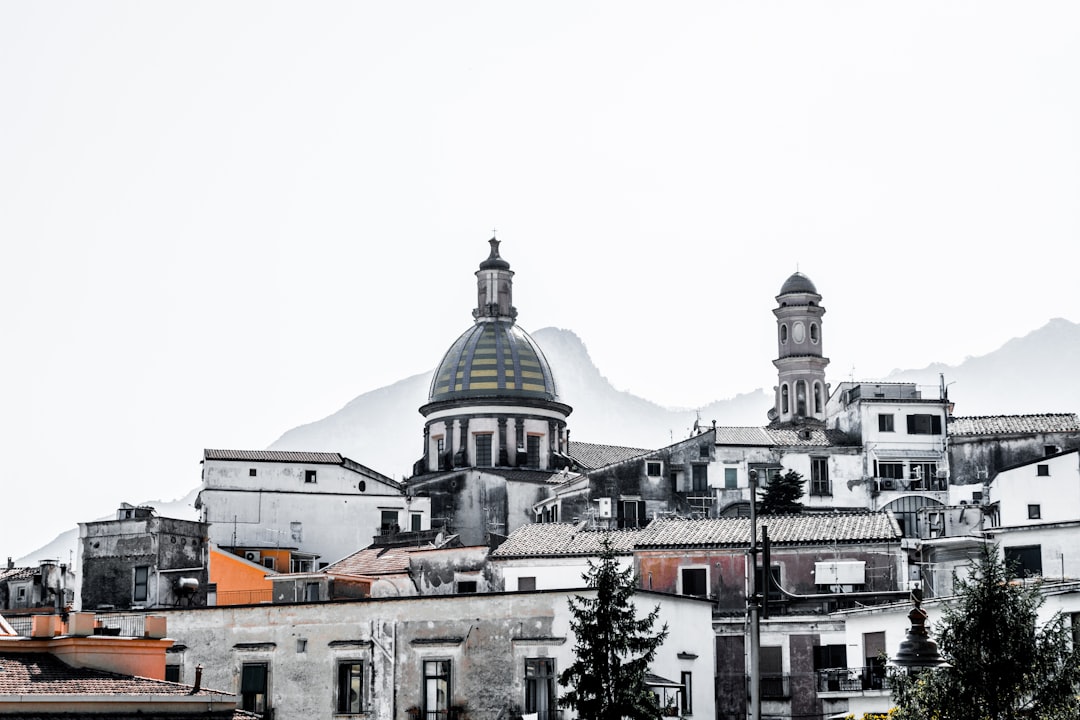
pixel 375 561
pixel 1013 424
pixel 560 539
pixel 539 539
pixel 592 456
pixel 43 674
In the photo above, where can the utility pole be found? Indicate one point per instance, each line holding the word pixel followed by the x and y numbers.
pixel 753 608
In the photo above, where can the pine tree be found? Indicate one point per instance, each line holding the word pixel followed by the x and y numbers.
pixel 613 646
pixel 1002 664
pixel 781 496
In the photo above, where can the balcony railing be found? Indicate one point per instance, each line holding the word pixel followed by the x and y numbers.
pixel 773 686
pixel 244 597
pixel 852 679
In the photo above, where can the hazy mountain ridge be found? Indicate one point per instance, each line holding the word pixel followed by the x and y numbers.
pixel 383 429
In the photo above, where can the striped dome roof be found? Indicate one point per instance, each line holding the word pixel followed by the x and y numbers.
pixel 493 359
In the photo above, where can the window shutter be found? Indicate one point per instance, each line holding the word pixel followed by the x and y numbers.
pixel 641 514
pixel 911 424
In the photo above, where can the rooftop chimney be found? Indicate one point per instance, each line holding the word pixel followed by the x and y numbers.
pixel 198 680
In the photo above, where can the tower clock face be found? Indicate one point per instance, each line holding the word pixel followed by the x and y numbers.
pixel 798 332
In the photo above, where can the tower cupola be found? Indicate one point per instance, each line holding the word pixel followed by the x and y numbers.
pixel 495 288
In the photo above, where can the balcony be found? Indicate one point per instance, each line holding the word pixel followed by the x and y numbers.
pixel 774 686
pixel 852 680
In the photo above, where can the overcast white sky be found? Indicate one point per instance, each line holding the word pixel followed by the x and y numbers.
pixel 221 220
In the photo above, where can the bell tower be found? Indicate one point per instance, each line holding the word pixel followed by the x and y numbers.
pixel 801 391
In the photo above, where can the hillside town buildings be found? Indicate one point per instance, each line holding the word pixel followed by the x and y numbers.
pixel 314 585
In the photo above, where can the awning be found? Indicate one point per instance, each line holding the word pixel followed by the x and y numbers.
pixel 908 454
pixel 657 681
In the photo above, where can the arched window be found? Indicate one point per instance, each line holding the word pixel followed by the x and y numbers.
pixel 784 399
pixel 813 333
pixel 800 397
pixel 783 334
pixel 817 398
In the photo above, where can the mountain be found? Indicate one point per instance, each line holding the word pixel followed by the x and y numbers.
pixel 384 430
pixel 1032 374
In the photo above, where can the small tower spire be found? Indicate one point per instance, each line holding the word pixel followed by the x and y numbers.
pixel 494 288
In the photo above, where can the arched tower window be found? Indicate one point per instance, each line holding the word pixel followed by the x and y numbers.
pixel 783 334
pixel 784 399
pixel 813 333
pixel 817 398
pixel 800 397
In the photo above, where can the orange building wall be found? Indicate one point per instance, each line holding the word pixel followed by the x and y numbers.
pixel 238 581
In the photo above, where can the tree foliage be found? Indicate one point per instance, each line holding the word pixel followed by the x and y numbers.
pixel 1002 663
pixel 613 647
pixel 781 495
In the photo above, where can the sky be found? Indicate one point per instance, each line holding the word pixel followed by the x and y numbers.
pixel 220 220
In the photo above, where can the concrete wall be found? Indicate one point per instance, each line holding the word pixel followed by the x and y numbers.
pixel 975 459
pixel 110 551
pixel 485 637
pixel 1057 494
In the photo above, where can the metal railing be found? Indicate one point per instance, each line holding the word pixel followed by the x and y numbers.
pixel 123 625
pixel 775 686
pixel 20 624
pixel 852 679
pixel 244 597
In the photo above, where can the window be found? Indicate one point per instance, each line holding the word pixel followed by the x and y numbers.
pixel 926 474
pixel 415 520
pixel 886 423
pixel 830 656
pixel 700 478
pixel 436 689
pixel 813 333
pixel 540 688
pixel 252 472
pixel 300 565
pixel 532 451
pixel 268 562
pixel 1042 470
pixel 783 334
pixel 819 476
pixel 526 583
pixel 784 399
pixel 466 587
pixel 817 398
pixel 483 449
pixel 687 700
pixel 388 524
pixel 703 452
pixel 1034 512
pixel 309 476
pixel 440 444
pixel 350 687
pixel 654 468
pixel 1024 561
pixel 731 478
pixel 891 470
pixel 695 582
pixel 172 673
pixel 771 662
pixel 774 586
pixel 253 686
pixel 311 592
pixel 800 397
pixel 631 514
pixel 924 424
pixel 142 580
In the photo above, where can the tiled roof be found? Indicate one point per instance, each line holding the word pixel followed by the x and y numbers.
pixel 1013 424
pixel 539 539
pixel 375 561
pixel 19 573
pixel 591 456
pixel 323 458
pixel 43 674
pixel 555 539
pixel 785 435
pixel 783 529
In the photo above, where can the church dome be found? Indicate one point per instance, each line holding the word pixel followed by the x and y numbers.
pixel 493 359
pixel 798 283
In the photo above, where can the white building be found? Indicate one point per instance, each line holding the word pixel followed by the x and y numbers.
pixel 319 503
